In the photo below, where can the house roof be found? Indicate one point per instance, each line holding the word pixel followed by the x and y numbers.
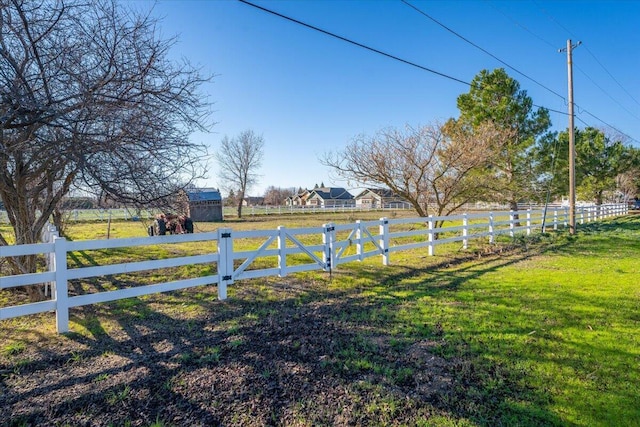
pixel 382 192
pixel 204 195
pixel 332 193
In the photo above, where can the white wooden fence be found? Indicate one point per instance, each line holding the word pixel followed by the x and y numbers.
pixel 326 248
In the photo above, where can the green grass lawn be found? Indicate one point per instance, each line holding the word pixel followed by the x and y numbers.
pixel 549 337
pixel 547 333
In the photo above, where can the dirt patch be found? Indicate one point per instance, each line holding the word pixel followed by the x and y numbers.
pixel 293 357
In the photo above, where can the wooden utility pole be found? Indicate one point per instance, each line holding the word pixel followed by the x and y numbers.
pixel 572 148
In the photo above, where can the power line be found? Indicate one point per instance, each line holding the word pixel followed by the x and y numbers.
pixel 513 68
pixel 588 50
pixel 373 49
pixel 388 55
pixel 481 48
pixel 518 24
pixel 396 58
pixel 632 114
pixel 609 125
pixel 611 75
pixel 576 66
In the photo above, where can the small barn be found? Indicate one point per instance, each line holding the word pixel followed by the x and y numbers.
pixel 205 205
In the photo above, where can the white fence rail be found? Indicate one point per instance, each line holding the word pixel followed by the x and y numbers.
pixel 102 215
pixel 324 248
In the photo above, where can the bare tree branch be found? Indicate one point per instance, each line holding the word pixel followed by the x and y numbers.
pixel 89 99
pixel 435 168
pixel 238 159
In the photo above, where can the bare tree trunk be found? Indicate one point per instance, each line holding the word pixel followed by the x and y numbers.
pixel 59 220
pixel 25 234
pixel 240 200
pixel 513 206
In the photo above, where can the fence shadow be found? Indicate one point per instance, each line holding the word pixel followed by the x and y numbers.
pixel 280 351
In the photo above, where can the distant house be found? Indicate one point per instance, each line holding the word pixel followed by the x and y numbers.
pixel 299 199
pixel 379 198
pixel 253 201
pixel 325 197
pixel 205 204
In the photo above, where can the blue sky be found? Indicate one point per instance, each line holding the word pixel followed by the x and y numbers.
pixel 308 93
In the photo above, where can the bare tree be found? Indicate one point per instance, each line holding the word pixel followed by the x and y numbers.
pixel 433 167
pixel 89 99
pixel 276 196
pixel 238 159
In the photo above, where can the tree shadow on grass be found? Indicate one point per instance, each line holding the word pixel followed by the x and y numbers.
pixel 279 352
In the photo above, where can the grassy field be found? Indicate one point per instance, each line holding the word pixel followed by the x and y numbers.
pixel 539 331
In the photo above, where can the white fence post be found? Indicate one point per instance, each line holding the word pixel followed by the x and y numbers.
pixel 225 261
pixel 565 217
pixel 490 227
pixel 328 239
pixel 465 231
pixel 529 222
pixel 60 289
pixel 555 218
pixel 359 246
pixel 384 240
pixel 49 232
pixel 430 236
pixel 282 251
pixel 581 215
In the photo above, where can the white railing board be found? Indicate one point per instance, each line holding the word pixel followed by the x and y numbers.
pixel 247 254
pixel 26 279
pixel 22 250
pixel 87 245
pixel 138 291
pixel 27 309
pixel 369 254
pixel 130 267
